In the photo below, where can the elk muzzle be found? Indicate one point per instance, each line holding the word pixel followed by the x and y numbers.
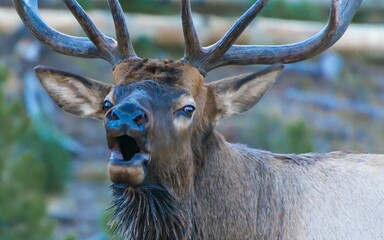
pixel 127 125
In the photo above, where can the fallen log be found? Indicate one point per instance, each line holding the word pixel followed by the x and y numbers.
pixel 166 30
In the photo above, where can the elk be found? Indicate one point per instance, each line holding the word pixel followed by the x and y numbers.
pixel 173 176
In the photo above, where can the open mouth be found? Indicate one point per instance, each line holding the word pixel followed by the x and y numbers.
pixel 129 158
pixel 125 150
pixel 128 147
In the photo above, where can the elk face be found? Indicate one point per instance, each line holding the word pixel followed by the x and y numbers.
pixel 150 126
pixel 157 114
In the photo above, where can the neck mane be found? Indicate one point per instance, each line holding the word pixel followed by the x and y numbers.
pixel 161 209
pixel 152 211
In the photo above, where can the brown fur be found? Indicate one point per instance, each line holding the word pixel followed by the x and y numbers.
pixel 198 186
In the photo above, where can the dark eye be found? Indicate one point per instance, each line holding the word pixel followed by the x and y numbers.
pixel 188 110
pixel 107 105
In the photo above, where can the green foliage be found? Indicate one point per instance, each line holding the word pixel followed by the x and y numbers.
pixel 143 6
pixel 277 135
pixel 22 205
pixel 70 236
pixel 298 137
pixel 303 10
pixel 29 168
pixel 147 48
pixel 149 6
pixel 86 4
pixel 55 159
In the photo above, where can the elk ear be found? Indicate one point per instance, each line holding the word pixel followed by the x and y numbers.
pixel 235 95
pixel 77 95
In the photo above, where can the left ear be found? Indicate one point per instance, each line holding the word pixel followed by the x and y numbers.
pixel 235 95
pixel 80 96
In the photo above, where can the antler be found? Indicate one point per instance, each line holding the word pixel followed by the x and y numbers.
pixel 223 52
pixel 97 45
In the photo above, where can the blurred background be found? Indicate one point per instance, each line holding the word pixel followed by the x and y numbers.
pixel 53 180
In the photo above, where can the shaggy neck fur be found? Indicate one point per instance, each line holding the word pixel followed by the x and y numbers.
pixel 149 212
pixel 163 207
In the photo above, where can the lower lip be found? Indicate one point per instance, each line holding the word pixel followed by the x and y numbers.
pixel 138 158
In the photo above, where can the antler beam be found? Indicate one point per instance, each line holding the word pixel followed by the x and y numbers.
pixel 224 52
pixel 97 45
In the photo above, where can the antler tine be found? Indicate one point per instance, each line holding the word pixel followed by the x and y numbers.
pixel 97 45
pixel 106 45
pixel 122 34
pixel 222 46
pixel 62 43
pixel 193 50
pixel 342 12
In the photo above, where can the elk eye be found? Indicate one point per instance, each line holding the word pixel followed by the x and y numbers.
pixel 107 105
pixel 188 110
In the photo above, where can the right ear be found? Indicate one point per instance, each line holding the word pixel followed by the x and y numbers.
pixel 237 94
pixel 80 96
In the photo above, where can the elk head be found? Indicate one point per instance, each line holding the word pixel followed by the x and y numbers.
pixel 159 114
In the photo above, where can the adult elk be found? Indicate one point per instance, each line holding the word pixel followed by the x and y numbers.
pixel 174 176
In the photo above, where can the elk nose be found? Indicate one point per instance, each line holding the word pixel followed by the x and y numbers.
pixel 140 118
pixel 113 115
pixel 133 116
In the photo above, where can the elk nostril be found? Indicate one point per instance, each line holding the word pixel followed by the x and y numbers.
pixel 112 115
pixel 140 119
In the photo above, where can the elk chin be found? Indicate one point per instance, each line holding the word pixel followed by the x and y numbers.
pixel 128 162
